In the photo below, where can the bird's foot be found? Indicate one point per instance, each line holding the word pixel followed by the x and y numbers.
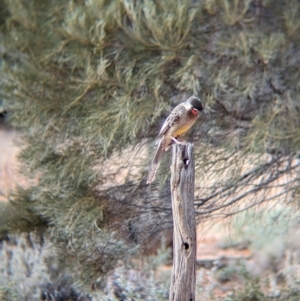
pixel 179 141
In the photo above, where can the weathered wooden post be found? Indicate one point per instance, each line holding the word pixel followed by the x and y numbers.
pixel 183 277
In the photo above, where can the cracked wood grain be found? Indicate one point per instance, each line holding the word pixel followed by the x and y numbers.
pixel 183 277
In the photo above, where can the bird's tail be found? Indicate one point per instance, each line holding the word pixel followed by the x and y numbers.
pixel 155 162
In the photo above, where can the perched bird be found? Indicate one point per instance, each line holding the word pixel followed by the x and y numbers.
pixel 178 122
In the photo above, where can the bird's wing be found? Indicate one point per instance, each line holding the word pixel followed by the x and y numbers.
pixel 172 119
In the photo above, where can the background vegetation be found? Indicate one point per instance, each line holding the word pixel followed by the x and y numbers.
pixel 87 85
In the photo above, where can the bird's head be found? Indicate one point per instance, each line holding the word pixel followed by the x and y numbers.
pixel 194 104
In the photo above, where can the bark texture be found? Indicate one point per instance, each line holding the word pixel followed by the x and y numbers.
pixel 182 189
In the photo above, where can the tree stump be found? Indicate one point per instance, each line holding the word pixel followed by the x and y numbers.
pixel 183 277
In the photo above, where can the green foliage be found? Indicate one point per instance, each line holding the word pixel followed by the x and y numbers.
pixel 270 236
pixel 86 80
pixel 29 271
pixel 141 281
pixel 254 289
pixel 263 228
pixel 22 268
pixel 7 293
pixel 19 215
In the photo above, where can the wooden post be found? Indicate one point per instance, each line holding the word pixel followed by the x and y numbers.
pixel 183 277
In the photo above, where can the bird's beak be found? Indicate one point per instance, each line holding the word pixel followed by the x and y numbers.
pixel 204 112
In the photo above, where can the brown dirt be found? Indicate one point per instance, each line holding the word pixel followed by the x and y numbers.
pixel 8 163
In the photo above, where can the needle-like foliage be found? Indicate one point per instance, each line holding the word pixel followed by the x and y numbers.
pixel 88 83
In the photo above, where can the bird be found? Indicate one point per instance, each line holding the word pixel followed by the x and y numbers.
pixel 180 120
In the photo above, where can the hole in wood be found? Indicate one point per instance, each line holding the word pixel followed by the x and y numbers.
pixel 184 156
pixel 186 245
pixel 186 161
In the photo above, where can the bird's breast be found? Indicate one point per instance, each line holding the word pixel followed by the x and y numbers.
pixel 182 129
pixel 184 125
